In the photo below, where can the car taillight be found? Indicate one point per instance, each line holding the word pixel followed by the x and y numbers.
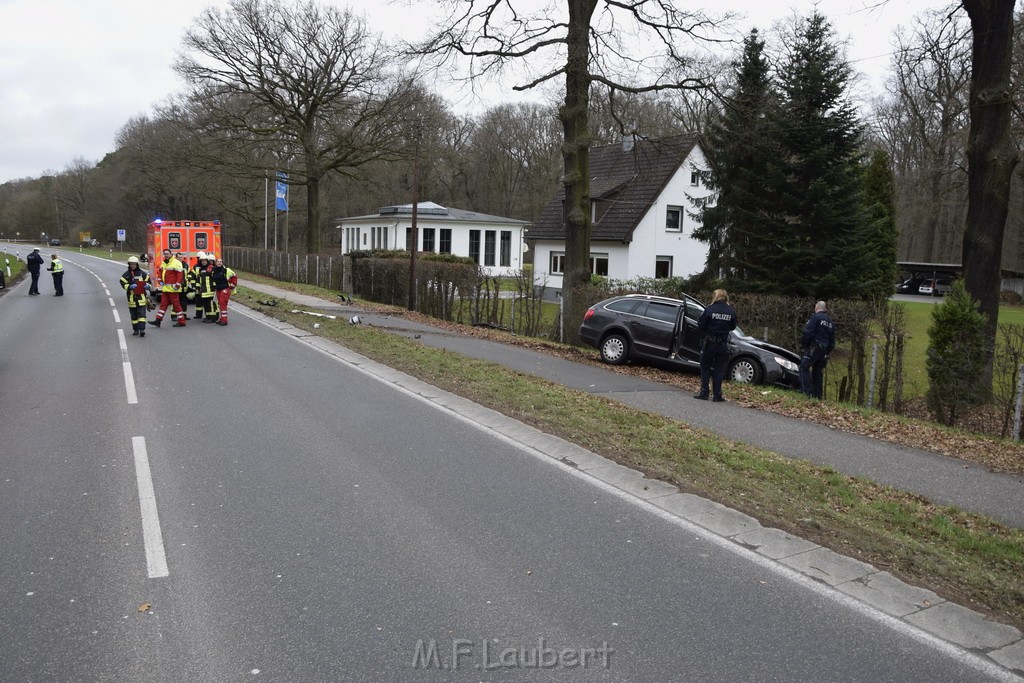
pixel 590 312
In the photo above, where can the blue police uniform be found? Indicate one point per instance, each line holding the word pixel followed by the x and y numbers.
pixel 818 340
pixel 716 322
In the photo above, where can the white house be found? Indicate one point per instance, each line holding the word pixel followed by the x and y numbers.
pixel 642 195
pixel 495 243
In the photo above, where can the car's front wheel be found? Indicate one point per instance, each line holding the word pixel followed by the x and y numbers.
pixel 615 349
pixel 745 371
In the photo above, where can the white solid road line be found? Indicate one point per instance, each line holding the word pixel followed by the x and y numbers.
pixel 156 559
pixel 129 383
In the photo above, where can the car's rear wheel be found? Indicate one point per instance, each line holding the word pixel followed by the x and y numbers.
pixel 615 349
pixel 745 371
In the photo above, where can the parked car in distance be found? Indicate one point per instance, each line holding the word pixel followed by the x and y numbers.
pixel 661 330
pixel 910 285
pixel 55 242
pixel 934 287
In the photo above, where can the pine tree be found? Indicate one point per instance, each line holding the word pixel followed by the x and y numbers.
pixel 821 234
pixel 956 355
pixel 740 150
pixel 880 202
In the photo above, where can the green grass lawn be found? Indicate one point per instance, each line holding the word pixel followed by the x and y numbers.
pixel 919 319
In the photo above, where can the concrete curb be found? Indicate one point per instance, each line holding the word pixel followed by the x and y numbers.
pixel 997 643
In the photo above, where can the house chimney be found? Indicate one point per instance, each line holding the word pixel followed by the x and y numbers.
pixel 628 140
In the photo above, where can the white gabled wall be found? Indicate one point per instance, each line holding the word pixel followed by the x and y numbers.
pixel 542 250
pixel 650 239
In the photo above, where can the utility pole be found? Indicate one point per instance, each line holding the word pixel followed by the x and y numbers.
pixel 414 233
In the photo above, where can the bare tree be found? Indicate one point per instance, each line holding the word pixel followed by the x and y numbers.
pixel 514 160
pixel 924 124
pixel 301 83
pixel 602 43
pixel 73 195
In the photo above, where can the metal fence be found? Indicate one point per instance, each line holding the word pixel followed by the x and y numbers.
pixel 322 270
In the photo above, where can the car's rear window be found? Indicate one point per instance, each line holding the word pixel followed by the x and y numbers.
pixel 623 305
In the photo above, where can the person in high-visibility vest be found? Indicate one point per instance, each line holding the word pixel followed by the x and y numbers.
pixel 135 282
pixel 57 268
pixel 224 282
pixel 171 281
pixel 206 302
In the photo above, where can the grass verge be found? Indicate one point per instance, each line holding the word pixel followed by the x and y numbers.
pixel 965 557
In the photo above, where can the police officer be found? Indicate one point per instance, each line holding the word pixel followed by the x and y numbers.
pixel 716 322
pixel 35 263
pixel 818 340
pixel 57 268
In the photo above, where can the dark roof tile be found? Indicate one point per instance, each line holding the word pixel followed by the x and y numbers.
pixel 624 183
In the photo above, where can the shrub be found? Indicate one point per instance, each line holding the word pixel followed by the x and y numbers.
pixel 956 355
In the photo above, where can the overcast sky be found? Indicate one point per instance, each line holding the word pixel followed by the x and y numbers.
pixel 73 72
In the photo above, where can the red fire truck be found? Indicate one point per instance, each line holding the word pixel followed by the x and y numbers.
pixel 187 237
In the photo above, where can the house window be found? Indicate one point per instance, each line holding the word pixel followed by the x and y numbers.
pixel 446 241
pixel 428 239
pixel 409 246
pixel 490 242
pixel 474 246
pixel 598 264
pixel 379 237
pixel 557 266
pixel 506 248
pixel 695 178
pixel 674 219
pixel 351 239
pixel 662 266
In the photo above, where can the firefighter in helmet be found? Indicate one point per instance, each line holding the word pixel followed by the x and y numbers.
pixel 135 282
pixel 224 281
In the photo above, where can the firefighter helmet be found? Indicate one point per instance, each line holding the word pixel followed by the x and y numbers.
pixel 201 255
pixel 133 259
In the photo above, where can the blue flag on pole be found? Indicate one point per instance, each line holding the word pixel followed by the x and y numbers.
pixel 282 193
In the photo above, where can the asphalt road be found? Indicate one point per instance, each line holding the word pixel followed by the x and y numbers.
pixel 309 522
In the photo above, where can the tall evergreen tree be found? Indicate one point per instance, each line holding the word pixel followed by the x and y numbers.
pixel 740 151
pixel 880 202
pixel 819 241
